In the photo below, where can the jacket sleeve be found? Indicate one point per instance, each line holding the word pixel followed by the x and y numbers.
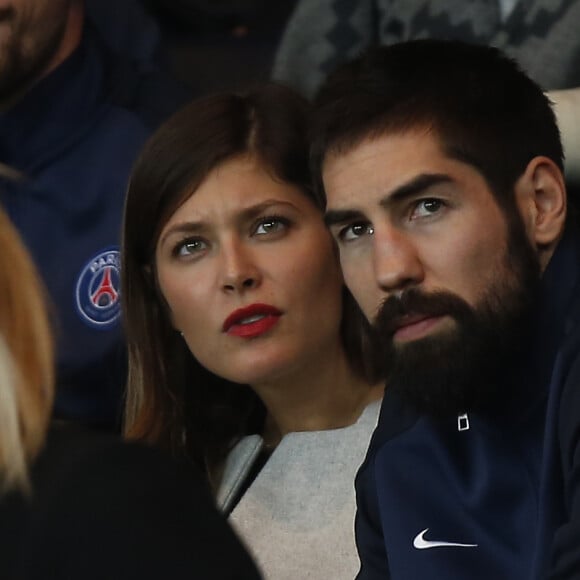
pixel 565 552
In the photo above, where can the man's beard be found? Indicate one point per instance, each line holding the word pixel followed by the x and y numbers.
pixel 462 369
pixel 22 63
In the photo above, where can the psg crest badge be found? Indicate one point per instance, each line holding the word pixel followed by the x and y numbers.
pixel 97 292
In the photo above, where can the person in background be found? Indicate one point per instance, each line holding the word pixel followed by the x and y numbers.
pixel 75 504
pixel 128 29
pixel 442 169
pixel 540 34
pixel 221 45
pixel 73 116
pixel 244 354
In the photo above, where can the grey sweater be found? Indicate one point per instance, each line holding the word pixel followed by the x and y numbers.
pixel 297 517
pixel 541 34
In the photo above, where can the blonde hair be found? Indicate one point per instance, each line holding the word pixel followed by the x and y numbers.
pixel 26 360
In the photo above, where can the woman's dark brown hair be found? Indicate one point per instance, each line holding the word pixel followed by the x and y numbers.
pixel 172 401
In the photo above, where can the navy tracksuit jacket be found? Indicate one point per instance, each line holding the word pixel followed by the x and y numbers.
pixel 497 501
pixel 74 149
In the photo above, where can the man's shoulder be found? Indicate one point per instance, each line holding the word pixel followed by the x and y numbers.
pixel 566 374
pixel 395 417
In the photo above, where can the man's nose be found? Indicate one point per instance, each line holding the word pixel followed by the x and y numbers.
pixel 397 263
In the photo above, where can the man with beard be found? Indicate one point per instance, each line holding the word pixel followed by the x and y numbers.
pixel 441 168
pixel 72 118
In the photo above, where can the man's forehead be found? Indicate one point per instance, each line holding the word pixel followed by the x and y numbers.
pixel 380 163
pixel 369 140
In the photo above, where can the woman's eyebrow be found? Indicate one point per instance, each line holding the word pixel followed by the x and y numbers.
pixel 248 213
pixel 264 206
pixel 186 227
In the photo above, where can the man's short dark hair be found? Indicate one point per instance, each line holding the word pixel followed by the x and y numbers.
pixel 484 109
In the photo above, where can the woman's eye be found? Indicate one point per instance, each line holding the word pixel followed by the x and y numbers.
pixel 270 225
pixel 355 231
pixel 190 247
pixel 426 207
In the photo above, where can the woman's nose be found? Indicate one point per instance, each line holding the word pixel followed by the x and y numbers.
pixel 240 269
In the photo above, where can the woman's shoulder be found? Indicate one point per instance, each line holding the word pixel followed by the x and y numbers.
pixel 237 468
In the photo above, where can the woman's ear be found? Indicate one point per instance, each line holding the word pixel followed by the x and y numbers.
pixel 541 197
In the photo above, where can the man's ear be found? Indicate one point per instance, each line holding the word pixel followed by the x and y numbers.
pixel 541 197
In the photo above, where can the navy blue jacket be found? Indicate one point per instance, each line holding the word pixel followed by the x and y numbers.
pixel 74 147
pixel 500 500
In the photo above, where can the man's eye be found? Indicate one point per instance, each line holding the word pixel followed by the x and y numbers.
pixel 270 225
pixel 355 231
pixel 190 247
pixel 426 207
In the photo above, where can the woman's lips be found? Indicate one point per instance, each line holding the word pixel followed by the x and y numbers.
pixel 251 321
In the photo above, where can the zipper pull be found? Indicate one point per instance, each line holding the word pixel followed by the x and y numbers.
pixel 462 422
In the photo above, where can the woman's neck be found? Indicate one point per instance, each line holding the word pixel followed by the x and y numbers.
pixel 325 394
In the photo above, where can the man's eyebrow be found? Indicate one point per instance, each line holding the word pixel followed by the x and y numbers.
pixel 413 187
pixel 340 216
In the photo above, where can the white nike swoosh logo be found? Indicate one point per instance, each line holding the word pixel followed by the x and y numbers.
pixel 422 544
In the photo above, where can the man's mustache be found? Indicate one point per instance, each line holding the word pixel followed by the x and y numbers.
pixel 415 302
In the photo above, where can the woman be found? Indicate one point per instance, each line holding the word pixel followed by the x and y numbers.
pixel 240 358
pixel 26 362
pixel 82 505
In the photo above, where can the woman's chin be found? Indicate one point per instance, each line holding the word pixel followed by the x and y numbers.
pixel 258 370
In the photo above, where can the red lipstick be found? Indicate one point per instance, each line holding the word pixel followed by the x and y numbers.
pixel 251 321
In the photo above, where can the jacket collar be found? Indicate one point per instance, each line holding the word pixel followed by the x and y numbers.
pixel 558 288
pixel 54 112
